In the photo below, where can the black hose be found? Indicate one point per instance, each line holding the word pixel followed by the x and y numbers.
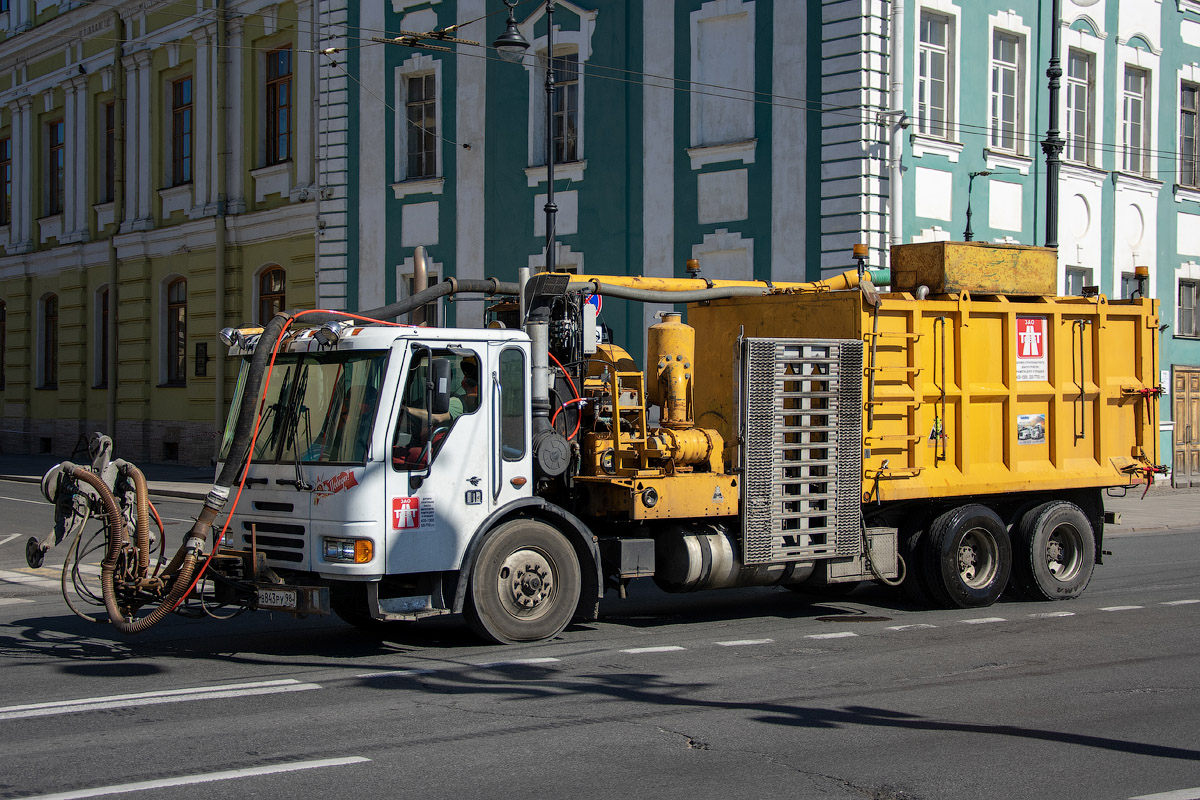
pixel 661 296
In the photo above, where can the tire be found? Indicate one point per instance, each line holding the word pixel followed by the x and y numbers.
pixel 525 584
pixel 1054 552
pixel 968 557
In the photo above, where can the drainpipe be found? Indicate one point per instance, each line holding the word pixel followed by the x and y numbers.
pixel 899 121
pixel 219 244
pixel 110 377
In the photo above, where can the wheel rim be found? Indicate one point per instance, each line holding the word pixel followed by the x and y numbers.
pixel 1064 552
pixel 527 584
pixel 977 558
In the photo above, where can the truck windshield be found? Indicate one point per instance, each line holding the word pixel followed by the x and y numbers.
pixel 319 408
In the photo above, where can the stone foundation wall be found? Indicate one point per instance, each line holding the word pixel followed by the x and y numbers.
pixel 149 441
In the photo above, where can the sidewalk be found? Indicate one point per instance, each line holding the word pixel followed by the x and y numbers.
pixel 164 480
pixel 1162 508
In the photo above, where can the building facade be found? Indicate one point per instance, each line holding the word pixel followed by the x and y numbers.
pixel 765 138
pixel 157 165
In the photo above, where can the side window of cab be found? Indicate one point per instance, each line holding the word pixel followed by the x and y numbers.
pixel 423 424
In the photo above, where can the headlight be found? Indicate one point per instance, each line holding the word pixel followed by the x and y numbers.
pixel 348 551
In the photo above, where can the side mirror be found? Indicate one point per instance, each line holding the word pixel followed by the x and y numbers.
pixel 440 399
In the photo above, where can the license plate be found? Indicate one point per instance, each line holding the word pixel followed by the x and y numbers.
pixel 282 599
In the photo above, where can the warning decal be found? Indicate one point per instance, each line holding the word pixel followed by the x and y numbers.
pixel 1031 349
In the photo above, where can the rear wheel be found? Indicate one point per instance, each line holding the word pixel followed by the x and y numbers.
pixel 968 557
pixel 1054 552
pixel 525 584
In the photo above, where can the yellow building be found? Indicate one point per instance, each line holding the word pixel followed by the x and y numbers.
pixel 157 183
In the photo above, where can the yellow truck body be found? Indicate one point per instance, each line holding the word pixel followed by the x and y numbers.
pixel 966 394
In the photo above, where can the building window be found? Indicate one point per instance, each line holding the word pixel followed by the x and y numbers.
pixel 102 339
pixel 566 108
pixel 1077 278
pixel 1081 119
pixel 1007 118
pixel 50 342
pixel 934 75
pixel 1189 154
pixel 1189 294
pixel 6 174
pixel 109 182
pixel 177 332
pixel 3 342
pixel 421 112
pixel 1135 156
pixel 427 314
pixel 279 105
pixel 55 167
pixel 181 131
pixel 270 294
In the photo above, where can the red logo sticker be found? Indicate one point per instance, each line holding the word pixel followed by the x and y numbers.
pixel 406 513
pixel 1031 337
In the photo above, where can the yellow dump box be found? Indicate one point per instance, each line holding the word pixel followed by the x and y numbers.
pixel 966 394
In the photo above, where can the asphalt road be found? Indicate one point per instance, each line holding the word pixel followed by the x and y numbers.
pixel 760 693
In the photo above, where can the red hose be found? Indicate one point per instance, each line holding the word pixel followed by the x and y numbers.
pixel 567 375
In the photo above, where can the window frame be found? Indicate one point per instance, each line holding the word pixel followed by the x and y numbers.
pixel 6 180
pixel 56 167
pixel 926 51
pixel 1140 128
pixel 182 122
pixel 275 83
pixel 3 344
pixel 1192 287
pixel 1007 135
pixel 1088 87
pixel 175 333
pixel 108 145
pixel 507 451
pixel 1189 163
pixel 265 311
pixel 421 137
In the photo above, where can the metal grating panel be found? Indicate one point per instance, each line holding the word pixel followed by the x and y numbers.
pixel 802 449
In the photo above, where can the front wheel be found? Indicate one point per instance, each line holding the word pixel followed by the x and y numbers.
pixel 525 584
pixel 968 557
pixel 1054 552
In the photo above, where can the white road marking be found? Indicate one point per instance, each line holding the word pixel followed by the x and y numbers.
pixel 154 698
pixel 1179 602
pixel 982 620
pixel 9 601
pixel 208 777
pixel 1178 794
pixel 9 538
pixel 23 500
pixel 395 673
pixel 745 642
pixel 517 662
pixel 838 635
pixel 1121 608
pixel 8 576
pixel 914 627
pixel 1052 615
pixel 667 649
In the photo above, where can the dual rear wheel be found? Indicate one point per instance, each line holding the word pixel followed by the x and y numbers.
pixel 967 556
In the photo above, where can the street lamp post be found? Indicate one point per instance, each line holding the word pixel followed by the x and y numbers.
pixel 968 234
pixel 512 47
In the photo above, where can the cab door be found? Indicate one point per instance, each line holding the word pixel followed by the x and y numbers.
pixel 443 480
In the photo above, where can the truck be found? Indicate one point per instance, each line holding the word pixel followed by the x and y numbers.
pixel 952 435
